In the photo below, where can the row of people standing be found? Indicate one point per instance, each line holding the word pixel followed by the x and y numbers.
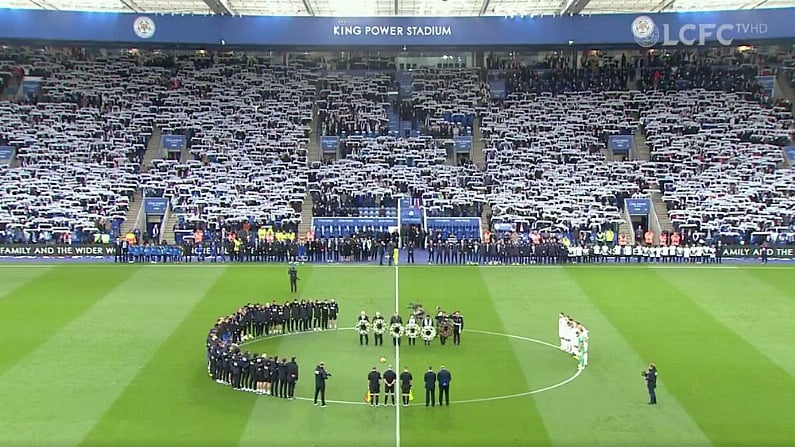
pixel 419 325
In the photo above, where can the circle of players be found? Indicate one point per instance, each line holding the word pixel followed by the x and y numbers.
pixel 419 322
pixel 260 373
pixel 573 339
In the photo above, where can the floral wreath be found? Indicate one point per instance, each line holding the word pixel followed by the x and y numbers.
pixel 428 333
pixel 412 330
pixel 363 327
pixel 379 326
pixel 396 329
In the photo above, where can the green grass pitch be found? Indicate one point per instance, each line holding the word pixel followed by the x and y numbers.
pixel 105 355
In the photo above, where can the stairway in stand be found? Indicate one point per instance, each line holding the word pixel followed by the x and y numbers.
pixel 394 120
pixel 789 94
pixel 168 229
pixel 478 145
pixel 313 156
pixel 153 149
pixel 642 150
pixel 132 214
pixel 661 211
pixel 484 217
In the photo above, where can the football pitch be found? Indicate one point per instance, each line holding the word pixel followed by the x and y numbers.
pixel 114 355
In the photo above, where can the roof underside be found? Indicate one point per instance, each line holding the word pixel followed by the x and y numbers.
pixel 361 8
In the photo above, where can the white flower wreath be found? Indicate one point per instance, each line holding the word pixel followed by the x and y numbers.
pixel 363 327
pixel 396 329
pixel 412 330
pixel 428 333
pixel 379 326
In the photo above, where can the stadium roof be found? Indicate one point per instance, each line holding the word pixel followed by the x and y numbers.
pixel 361 8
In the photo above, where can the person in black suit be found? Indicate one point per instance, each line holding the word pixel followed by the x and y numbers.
pixel 410 252
pixel 293 272
pixel 282 373
pixel 430 387
pixel 292 378
pixel 321 375
pixel 374 386
pixel 458 327
pixel 651 383
pixel 444 379
pixel 405 385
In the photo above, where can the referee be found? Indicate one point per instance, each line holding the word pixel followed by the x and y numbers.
pixel 405 386
pixel 374 386
pixel 389 385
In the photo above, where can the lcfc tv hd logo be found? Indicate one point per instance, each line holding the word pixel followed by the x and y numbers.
pixel 645 31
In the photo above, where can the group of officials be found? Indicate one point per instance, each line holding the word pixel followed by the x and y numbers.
pixel 390 380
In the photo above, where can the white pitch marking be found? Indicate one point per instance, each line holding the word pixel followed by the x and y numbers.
pixel 468 401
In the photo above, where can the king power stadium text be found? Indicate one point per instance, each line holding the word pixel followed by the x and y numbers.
pixel 357 30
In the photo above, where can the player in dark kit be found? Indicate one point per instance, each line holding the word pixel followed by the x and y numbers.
pixel 430 387
pixel 405 386
pixel 282 373
pixel 293 272
pixel 374 386
pixel 390 378
pixel 651 383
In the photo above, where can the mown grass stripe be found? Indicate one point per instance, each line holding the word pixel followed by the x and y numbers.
pixel 499 372
pixel 97 354
pixel 608 399
pixel 349 363
pixel 172 396
pixel 32 312
pixel 755 307
pixel 715 374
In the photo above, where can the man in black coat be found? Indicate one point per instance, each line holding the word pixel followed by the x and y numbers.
pixel 292 378
pixel 282 373
pixel 651 383
pixel 293 272
pixel 430 387
pixel 321 375
pixel 444 379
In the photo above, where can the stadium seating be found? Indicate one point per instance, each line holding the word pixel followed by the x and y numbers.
pixel 248 124
pixel 444 103
pixel 715 156
pixel 78 149
pixel 544 166
pixel 353 105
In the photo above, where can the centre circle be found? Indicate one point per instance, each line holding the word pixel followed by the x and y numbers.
pixel 388 352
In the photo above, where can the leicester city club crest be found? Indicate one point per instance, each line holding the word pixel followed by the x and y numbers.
pixel 645 31
pixel 144 27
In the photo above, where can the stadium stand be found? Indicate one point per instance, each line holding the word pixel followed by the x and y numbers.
pixel 248 123
pixel 79 144
pixel 544 166
pixel 354 105
pixel 715 158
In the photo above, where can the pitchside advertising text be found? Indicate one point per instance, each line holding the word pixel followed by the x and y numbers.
pixel 357 30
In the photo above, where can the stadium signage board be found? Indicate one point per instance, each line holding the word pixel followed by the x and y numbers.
pixel 789 152
pixel 638 207
pixel 6 154
pixel 659 29
pixel 620 144
pixel 173 143
pixel 755 251
pixel 55 251
pixel 155 206
pixel 329 144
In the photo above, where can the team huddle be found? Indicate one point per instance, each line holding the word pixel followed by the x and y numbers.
pixel 573 339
